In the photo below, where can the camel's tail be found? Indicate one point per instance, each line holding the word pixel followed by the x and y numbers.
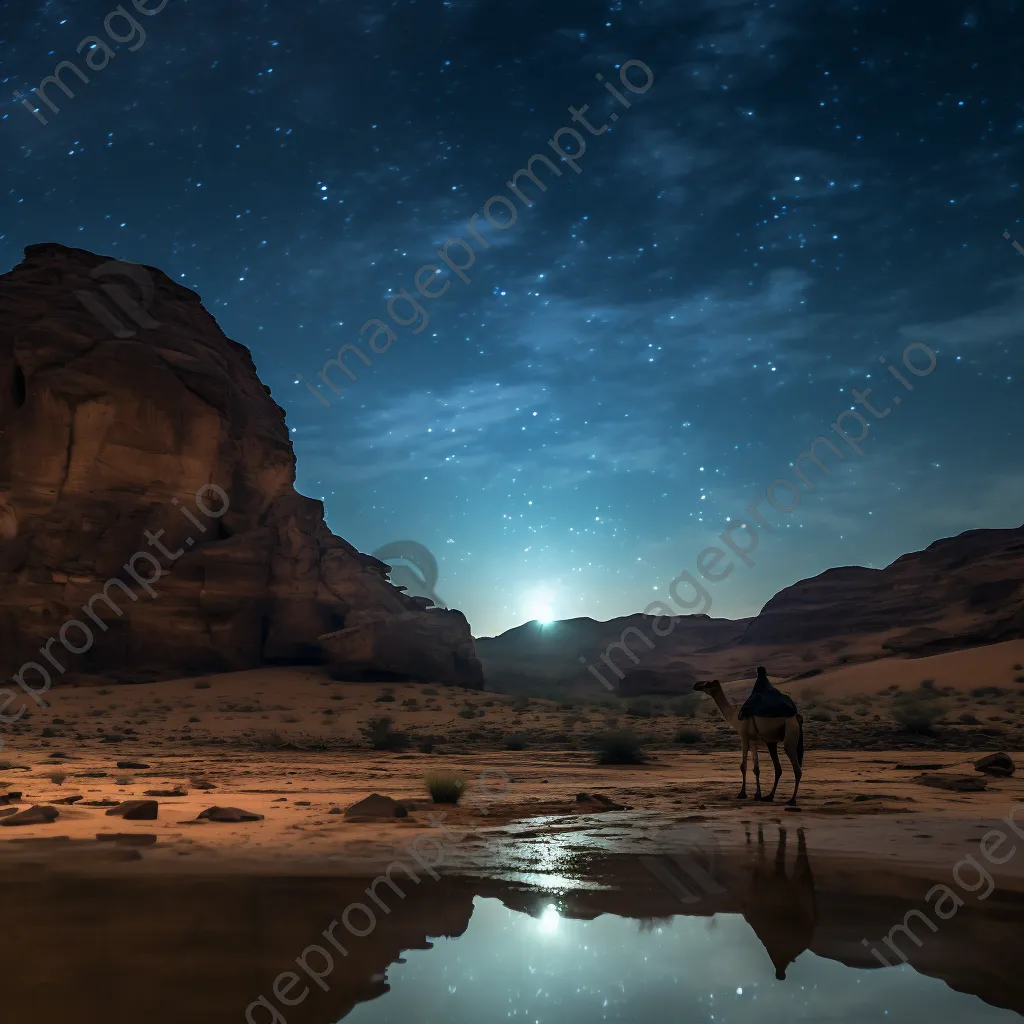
pixel 800 741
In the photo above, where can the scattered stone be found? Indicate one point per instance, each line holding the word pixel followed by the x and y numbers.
pixel 59 755
pixel 955 783
pixel 202 784
pixel 112 737
pixel 582 798
pixel 134 765
pixel 334 810
pixel 127 838
pixel 373 806
pixel 136 810
pixel 100 803
pixel 91 775
pixel 279 799
pixel 69 799
pixel 302 803
pixel 14 796
pixel 999 765
pixel 35 815
pixel 177 791
pixel 229 814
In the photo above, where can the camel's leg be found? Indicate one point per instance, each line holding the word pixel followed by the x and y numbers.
pixel 745 745
pixel 773 751
pixel 757 772
pixel 792 742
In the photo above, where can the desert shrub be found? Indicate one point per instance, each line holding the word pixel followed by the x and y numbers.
pixel 685 706
pixel 380 733
pixel 202 684
pixel 385 698
pixel 1018 668
pixel 820 716
pixel 412 703
pixel 48 733
pixel 427 744
pixel 467 713
pixel 520 704
pixel 968 719
pixel 444 787
pixel 401 811
pixel 989 691
pixel 566 705
pixel 516 741
pixel 844 717
pixel 428 692
pixel 103 693
pixel 1018 679
pixel 196 718
pixel 57 778
pixel 927 684
pixel 641 707
pixel 688 736
pixel 620 747
pixel 916 714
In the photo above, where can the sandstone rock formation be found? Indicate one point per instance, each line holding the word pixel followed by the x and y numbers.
pixel 149 525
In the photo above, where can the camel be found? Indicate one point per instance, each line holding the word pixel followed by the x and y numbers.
pixel 769 731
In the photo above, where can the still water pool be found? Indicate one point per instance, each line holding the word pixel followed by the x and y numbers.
pixel 551 970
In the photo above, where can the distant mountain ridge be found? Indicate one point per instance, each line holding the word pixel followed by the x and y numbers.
pixel 959 592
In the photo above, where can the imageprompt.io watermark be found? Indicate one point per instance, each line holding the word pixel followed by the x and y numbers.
pixel 133 309
pixel 459 255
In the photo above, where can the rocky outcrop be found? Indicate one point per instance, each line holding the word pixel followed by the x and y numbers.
pixel 960 592
pixel 149 524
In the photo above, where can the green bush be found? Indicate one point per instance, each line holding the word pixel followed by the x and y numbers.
pixel 444 787
pixel 515 742
pixel 688 736
pixel 916 714
pixel 620 747
pixel 379 732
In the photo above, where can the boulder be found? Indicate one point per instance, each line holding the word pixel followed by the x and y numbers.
pixel 998 765
pixel 142 457
pixel 373 806
pixel 228 814
pixel 136 810
pixel 35 815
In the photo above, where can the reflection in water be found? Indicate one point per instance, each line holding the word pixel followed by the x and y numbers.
pixel 738 934
pixel 780 907
pixel 510 967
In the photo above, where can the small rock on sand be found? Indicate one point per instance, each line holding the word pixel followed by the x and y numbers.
pixel 69 799
pixel 136 810
pixel 956 783
pixel 35 815
pixel 229 814
pixel 134 765
pixel 373 806
pixel 999 765
pixel 166 792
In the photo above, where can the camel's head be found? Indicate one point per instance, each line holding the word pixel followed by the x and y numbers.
pixel 704 686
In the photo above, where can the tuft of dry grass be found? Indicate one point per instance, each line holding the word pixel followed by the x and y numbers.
pixel 444 787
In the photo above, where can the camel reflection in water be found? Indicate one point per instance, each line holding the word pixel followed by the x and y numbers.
pixel 755 881
pixel 780 905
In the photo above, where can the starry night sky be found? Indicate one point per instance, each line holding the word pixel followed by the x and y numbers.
pixel 807 186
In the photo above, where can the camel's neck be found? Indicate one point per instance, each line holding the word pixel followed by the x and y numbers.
pixel 717 694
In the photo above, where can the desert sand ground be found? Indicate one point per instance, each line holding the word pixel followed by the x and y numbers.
pixel 286 744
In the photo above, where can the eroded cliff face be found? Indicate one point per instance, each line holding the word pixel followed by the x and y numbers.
pixel 138 446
